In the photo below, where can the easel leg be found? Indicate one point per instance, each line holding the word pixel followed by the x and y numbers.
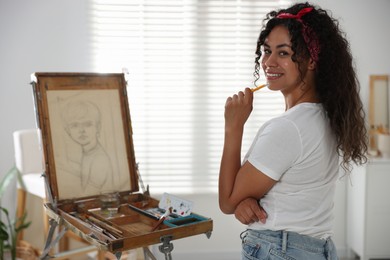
pixel 49 243
pixel 101 255
pixel 21 208
pixel 148 254
pixel 63 244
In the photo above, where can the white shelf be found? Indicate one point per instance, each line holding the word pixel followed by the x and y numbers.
pixel 368 210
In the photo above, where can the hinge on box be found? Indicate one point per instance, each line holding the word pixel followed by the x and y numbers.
pixel 126 74
pixel 48 191
pixel 144 191
pixel 35 97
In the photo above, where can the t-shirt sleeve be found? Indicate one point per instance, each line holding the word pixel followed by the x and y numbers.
pixel 276 148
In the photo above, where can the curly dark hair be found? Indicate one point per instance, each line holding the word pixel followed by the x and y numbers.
pixel 336 83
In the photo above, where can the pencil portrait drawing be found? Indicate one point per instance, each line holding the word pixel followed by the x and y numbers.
pixel 89 148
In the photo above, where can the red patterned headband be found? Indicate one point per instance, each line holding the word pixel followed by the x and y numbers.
pixel 308 34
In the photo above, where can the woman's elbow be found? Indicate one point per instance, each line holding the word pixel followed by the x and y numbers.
pixel 226 208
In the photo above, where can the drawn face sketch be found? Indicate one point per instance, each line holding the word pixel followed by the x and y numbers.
pixel 82 123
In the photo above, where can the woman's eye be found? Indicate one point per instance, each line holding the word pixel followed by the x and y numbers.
pixel 283 53
pixel 266 51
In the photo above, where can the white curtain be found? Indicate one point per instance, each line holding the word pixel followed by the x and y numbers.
pixel 184 58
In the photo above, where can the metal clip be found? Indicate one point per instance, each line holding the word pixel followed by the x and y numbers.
pixel 166 247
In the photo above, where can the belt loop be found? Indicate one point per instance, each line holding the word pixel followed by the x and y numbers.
pixel 243 235
pixel 284 242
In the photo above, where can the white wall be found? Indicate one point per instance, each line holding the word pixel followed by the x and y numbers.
pixel 36 36
pixel 52 35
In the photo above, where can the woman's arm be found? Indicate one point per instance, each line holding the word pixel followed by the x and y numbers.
pixel 237 182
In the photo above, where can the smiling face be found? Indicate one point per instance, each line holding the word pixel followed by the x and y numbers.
pixel 281 72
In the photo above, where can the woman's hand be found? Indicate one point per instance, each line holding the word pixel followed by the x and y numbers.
pixel 238 108
pixel 249 211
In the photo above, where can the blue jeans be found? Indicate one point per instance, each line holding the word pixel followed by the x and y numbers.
pixel 276 245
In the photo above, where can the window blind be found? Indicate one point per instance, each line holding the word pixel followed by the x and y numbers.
pixel 184 58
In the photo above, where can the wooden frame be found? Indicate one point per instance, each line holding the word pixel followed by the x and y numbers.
pixel 86 133
pixel 379 108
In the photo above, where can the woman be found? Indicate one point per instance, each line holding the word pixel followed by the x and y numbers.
pixel 292 166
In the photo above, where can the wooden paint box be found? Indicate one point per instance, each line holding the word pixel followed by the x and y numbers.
pixel 89 153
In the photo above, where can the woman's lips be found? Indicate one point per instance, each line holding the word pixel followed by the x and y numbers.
pixel 273 76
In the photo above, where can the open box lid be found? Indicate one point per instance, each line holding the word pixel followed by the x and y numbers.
pixel 86 133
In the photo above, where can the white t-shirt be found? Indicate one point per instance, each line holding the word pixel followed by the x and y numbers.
pixel 298 149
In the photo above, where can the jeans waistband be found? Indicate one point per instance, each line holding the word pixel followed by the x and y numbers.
pixel 286 238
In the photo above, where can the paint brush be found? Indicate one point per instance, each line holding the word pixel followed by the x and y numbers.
pixel 105 226
pixel 259 87
pixel 143 212
pixel 162 218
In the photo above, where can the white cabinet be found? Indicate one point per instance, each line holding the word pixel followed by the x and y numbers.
pixel 368 210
